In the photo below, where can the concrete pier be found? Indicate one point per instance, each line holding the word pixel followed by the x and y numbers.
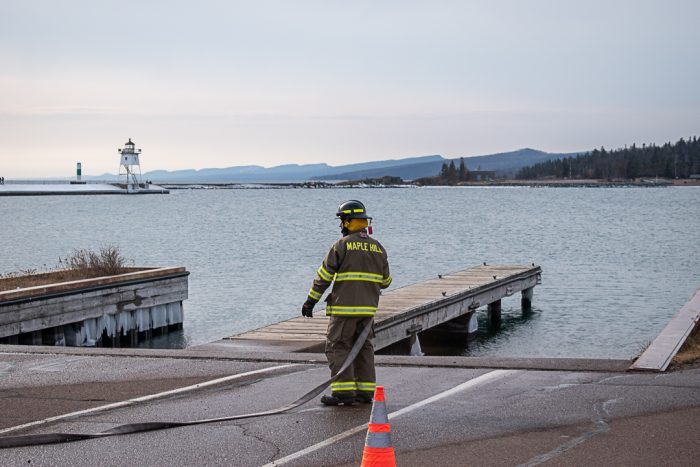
pixel 65 187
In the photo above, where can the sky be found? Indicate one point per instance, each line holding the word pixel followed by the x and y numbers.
pixel 229 83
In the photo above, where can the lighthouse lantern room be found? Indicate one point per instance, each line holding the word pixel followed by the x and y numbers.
pixel 129 165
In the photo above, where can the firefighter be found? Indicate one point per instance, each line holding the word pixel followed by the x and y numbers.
pixel 358 267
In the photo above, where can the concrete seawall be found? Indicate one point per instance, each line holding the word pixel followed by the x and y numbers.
pixel 49 188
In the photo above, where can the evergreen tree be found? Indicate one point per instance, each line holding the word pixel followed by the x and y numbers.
pixel 648 160
pixel 565 169
pixel 632 168
pixel 668 169
pixel 452 174
pixel 463 174
pixel 443 171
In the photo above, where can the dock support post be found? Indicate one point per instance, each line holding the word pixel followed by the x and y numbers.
pixel 494 311
pixel 59 338
pixel 526 300
pixel 36 338
pixel 54 336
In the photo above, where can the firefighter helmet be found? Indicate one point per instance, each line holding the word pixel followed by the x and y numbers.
pixel 352 209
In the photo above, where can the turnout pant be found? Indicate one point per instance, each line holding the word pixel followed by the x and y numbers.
pixel 358 378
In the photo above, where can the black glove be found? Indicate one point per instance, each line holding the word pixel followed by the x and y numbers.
pixel 307 309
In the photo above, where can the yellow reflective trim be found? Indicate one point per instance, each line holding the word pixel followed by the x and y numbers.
pixel 370 387
pixel 358 210
pixel 340 274
pixel 378 281
pixel 351 310
pixel 344 386
pixel 387 281
pixel 315 295
pixel 346 211
pixel 335 313
pixel 359 276
pixel 324 275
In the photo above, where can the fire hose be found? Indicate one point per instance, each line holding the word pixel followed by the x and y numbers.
pixel 52 438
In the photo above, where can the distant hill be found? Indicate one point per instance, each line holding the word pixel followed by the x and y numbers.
pixel 505 164
pixel 282 173
pixel 409 168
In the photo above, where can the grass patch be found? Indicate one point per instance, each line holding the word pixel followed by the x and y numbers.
pixel 690 352
pixel 81 264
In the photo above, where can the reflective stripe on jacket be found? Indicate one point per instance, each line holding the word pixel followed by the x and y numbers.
pixel 360 268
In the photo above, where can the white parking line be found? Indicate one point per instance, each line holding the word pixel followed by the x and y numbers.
pixel 147 398
pixel 485 378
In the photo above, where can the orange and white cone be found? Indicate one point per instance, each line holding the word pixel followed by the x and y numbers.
pixel 378 449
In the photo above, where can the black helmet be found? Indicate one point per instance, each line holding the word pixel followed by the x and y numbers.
pixel 352 209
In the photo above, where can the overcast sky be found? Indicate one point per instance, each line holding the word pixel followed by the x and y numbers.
pixel 226 83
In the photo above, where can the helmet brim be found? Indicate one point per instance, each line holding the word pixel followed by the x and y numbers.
pixel 353 215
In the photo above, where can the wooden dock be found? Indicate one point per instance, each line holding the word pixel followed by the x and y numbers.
pixel 404 312
pixel 79 312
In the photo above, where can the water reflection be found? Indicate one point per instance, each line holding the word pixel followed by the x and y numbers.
pixel 448 340
pixel 513 320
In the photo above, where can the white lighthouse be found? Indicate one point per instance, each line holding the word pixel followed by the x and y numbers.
pixel 129 165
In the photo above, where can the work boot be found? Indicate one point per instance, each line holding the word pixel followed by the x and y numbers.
pixel 365 397
pixel 338 400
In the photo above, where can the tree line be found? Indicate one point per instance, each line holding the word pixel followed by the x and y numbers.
pixel 449 174
pixel 672 160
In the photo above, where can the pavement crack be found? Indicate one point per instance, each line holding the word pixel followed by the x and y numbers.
pixel 600 426
pixel 247 432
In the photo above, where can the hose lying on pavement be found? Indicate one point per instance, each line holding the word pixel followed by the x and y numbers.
pixel 51 438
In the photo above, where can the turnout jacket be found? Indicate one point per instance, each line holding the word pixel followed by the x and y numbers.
pixel 360 268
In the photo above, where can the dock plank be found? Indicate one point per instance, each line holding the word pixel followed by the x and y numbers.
pixel 288 336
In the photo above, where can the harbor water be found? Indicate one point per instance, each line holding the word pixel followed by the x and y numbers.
pixel 617 262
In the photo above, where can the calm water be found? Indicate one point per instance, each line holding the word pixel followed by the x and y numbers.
pixel 617 262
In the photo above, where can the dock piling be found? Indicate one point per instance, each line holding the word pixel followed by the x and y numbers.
pixel 36 338
pixel 526 300
pixel 494 312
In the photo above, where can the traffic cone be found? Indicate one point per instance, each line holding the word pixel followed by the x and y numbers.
pixel 378 449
